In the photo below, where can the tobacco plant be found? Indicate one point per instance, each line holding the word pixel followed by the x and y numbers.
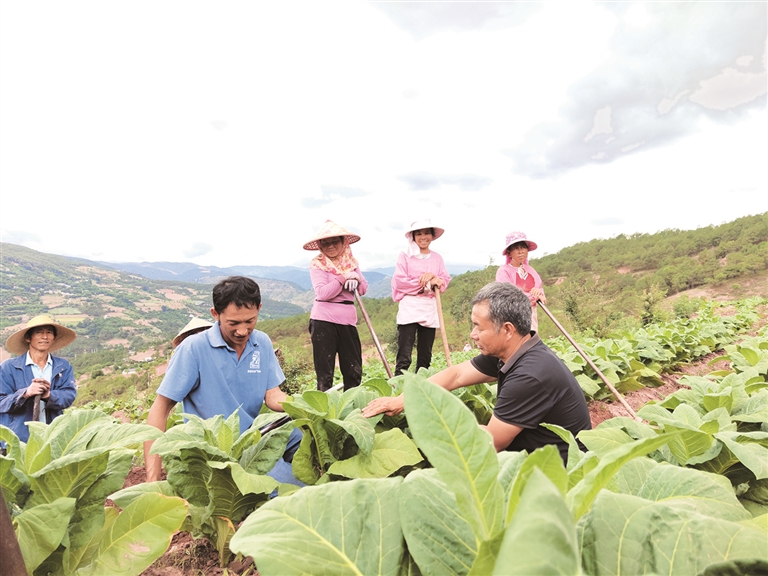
pixel 479 512
pixel 57 485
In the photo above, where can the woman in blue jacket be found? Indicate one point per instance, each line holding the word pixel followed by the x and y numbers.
pixel 35 372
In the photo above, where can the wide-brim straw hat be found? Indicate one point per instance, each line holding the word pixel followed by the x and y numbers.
pixel 514 238
pixel 420 225
pixel 330 230
pixel 15 344
pixel 193 326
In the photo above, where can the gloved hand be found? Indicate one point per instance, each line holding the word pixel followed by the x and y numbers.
pixel 351 284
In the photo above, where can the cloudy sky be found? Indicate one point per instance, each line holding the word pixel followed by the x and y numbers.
pixel 226 133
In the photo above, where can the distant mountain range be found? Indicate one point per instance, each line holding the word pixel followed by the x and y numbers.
pixel 378 278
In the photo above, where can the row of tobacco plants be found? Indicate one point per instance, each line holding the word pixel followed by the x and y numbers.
pixel 683 492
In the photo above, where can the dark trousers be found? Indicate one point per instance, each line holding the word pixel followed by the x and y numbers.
pixel 406 336
pixel 329 339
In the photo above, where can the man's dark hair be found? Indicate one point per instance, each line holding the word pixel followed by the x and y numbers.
pixel 506 303
pixel 413 232
pixel 238 290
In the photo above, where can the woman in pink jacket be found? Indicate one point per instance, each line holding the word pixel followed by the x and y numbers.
pixel 418 272
pixel 517 271
pixel 335 276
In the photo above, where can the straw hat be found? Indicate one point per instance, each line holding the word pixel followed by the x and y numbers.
pixel 15 344
pixel 193 327
pixel 514 238
pixel 420 225
pixel 330 230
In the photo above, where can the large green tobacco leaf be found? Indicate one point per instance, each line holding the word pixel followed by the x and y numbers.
pixel 439 538
pixel 72 433
pixel 391 451
pixel 704 493
pixel 262 456
pixel 88 517
pixel 305 468
pixel 139 535
pixel 626 534
pixel 340 529
pixel 40 529
pixel 447 432
pixel 14 483
pixel 541 539
pixel 359 427
pixel 235 493
pixel 68 476
pixel 581 496
pixel 545 460
pixel 124 497
pixel 750 448
pixel 116 435
pixel 603 439
pixel 755 409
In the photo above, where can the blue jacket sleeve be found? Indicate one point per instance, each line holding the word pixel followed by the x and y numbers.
pixel 63 390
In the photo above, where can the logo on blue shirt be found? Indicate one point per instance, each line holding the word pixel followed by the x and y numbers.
pixel 256 361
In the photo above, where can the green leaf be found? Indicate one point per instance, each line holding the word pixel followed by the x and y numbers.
pixel 14 482
pixel 341 528
pixel 588 386
pixel 117 435
pixel 630 535
pixel 89 517
pixel 359 427
pixel 581 496
pixel 446 431
pixel 304 466
pixel 748 449
pixel 139 535
pixel 124 497
pixel 391 451
pixel 686 488
pixel 548 461
pixel 262 457
pixel 68 476
pixel 234 493
pixel 40 529
pixel 541 538
pixel 439 538
pixel 602 440
pixel 379 385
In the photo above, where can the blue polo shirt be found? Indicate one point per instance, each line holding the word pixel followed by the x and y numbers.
pixel 207 377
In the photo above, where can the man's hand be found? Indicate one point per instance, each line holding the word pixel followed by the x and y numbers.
pixel 39 386
pixel 389 405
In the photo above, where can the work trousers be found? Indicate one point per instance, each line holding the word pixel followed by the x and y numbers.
pixel 406 336
pixel 329 339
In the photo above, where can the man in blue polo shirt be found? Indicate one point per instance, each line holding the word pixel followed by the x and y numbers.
pixel 231 366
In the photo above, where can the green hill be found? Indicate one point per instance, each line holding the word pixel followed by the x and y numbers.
pixel 106 307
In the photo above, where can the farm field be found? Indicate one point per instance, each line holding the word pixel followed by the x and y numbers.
pixel 702 435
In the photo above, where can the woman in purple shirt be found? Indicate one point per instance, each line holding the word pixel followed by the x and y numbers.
pixel 335 276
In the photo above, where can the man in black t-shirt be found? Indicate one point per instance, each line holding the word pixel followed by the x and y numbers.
pixel 534 385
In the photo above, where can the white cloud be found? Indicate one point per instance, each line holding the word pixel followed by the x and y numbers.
pixel 227 133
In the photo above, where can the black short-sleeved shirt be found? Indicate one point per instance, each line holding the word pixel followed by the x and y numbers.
pixel 536 387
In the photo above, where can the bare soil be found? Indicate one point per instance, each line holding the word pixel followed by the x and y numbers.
pixel 600 410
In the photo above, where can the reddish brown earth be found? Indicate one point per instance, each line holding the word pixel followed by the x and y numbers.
pixel 603 410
